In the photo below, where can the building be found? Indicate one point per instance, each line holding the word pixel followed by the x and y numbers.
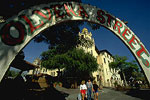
pixel 105 76
pixel 42 70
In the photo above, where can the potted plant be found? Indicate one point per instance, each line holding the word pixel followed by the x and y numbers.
pixel 60 84
pixel 54 84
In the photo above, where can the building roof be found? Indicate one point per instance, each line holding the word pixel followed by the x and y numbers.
pixel 106 52
pixel 96 49
pixel 101 51
pixel 23 65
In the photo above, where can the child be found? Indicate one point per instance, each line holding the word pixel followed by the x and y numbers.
pixel 95 90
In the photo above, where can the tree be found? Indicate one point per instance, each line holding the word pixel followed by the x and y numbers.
pixel 75 62
pixel 131 70
pixel 81 63
pixel 61 34
pixel 12 73
pixel 127 69
pixel 119 64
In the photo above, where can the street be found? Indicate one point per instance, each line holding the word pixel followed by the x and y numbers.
pixel 109 94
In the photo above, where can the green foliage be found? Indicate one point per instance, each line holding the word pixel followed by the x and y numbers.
pixel 130 69
pixel 94 26
pixel 61 34
pixel 81 61
pixel 75 62
pixel 119 63
pixel 11 73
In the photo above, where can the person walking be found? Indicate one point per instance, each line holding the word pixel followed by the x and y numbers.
pixel 83 89
pixel 95 90
pixel 89 89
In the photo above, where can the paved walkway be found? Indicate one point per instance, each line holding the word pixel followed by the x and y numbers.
pixel 109 94
pixel 71 92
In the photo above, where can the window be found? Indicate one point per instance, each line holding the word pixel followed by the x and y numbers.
pixel 104 61
pixel 107 80
pixel 97 77
pixel 108 62
pixel 82 36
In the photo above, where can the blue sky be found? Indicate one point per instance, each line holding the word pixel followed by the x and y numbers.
pixel 136 12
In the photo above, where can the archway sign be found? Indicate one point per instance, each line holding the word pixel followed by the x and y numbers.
pixel 17 31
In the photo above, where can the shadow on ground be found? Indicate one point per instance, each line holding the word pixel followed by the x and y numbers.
pixel 48 94
pixel 17 90
pixel 142 94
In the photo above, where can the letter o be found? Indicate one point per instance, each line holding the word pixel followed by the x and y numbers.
pixel 6 36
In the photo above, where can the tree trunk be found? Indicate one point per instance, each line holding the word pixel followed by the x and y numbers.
pixel 125 82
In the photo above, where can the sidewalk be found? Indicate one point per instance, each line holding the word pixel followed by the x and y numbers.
pixel 73 93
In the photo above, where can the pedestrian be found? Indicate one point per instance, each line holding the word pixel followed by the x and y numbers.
pixel 89 89
pixel 83 89
pixel 95 90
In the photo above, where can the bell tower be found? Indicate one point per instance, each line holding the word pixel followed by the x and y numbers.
pixel 87 43
pixel 85 34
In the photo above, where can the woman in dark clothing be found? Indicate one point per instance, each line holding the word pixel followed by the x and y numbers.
pixel 95 90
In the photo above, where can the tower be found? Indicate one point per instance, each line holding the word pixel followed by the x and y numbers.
pixel 87 43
